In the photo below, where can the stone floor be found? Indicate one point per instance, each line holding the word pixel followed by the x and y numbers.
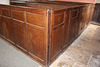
pixel 77 55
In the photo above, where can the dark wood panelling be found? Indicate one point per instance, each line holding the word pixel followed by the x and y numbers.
pixel 81 18
pixel 96 14
pixel 66 28
pixel 74 12
pixel 19 15
pixel 0 11
pixel 91 14
pixel 76 20
pixel 36 42
pixel 3 26
pixel 10 29
pixel 87 15
pixel 6 12
pixel 72 28
pixel 73 24
pixel 0 24
pixel 59 18
pixel 20 32
pixel 57 42
pixel 43 31
pixel 37 19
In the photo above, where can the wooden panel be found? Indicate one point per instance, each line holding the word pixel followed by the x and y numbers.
pixel 59 18
pixel 74 12
pixel 19 15
pixel 57 42
pixel 83 1
pixel 66 28
pixel 6 12
pixel 91 13
pixel 82 16
pixel 72 29
pixel 0 24
pixel 96 14
pixel 36 43
pixel 3 27
pixel 20 32
pixel 74 20
pixel 0 11
pixel 35 19
pixel 77 23
pixel 80 19
pixel 10 29
pixel 77 27
pixel 87 15
pixel 73 25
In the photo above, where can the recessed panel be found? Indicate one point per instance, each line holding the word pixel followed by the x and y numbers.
pixel 0 11
pixel 6 12
pixel 35 19
pixel 36 42
pixel 57 42
pixel 18 15
pixel 58 19
pixel 74 13
pixel 20 32
pixel 10 29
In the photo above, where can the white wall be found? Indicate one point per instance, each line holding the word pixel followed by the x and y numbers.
pixel 4 2
pixel 97 1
